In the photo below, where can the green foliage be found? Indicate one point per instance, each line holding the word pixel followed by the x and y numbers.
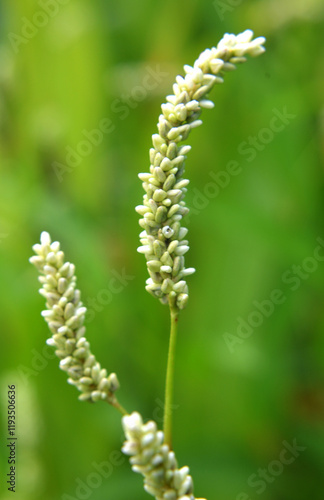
pixel 233 410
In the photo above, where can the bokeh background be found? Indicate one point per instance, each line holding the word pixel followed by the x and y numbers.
pixel 67 68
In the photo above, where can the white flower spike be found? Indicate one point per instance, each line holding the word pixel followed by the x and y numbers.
pixel 153 459
pixel 162 241
pixel 65 317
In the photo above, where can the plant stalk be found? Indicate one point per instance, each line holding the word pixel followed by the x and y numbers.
pixel 167 428
pixel 115 403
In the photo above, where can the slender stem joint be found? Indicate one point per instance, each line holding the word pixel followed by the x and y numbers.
pixel 174 314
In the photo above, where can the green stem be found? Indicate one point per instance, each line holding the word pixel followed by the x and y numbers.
pixel 115 403
pixel 174 313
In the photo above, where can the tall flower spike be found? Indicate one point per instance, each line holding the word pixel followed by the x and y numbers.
pixel 65 317
pixel 154 460
pixel 163 238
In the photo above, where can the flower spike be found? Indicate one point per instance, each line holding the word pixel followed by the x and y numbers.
pixel 153 459
pixel 163 237
pixel 65 317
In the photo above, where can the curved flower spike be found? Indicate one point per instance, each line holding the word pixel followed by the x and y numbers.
pixel 65 317
pixel 163 238
pixel 155 461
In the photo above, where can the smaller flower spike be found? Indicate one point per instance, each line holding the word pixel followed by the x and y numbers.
pixel 163 238
pixel 65 317
pixel 155 461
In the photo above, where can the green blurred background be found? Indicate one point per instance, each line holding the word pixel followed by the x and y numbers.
pixel 64 67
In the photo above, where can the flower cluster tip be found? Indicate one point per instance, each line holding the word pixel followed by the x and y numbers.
pixel 152 458
pixel 65 316
pixel 163 239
